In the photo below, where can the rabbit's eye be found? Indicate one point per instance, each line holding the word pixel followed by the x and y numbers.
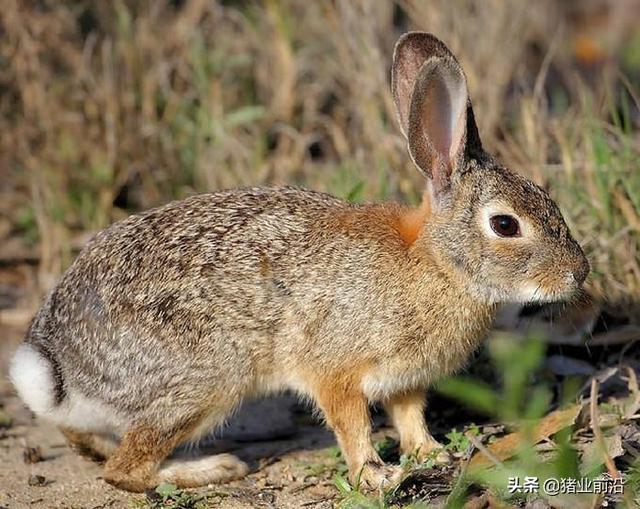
pixel 505 226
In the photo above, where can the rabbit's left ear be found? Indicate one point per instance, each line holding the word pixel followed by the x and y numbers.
pixel 430 93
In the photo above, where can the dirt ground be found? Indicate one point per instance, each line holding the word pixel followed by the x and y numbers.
pixel 290 472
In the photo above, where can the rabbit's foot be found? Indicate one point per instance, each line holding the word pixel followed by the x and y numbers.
pixel 379 475
pixel 443 457
pixel 137 478
pixel 432 450
pixel 202 471
pixel 138 465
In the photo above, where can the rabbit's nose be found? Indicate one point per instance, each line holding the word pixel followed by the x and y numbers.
pixel 581 272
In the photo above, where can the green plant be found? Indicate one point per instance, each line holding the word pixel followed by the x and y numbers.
pixel 168 495
pixel 458 440
pixel 386 447
pixel 516 361
pixel 521 401
pixel 353 498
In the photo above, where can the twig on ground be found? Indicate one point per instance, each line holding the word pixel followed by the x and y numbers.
pixel 597 432
pixel 479 445
pixel 599 437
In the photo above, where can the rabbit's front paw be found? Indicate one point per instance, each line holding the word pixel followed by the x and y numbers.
pixel 443 457
pixel 433 451
pixel 379 475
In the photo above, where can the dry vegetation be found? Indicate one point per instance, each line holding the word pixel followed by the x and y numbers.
pixel 111 107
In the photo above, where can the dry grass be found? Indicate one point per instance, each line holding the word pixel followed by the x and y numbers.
pixel 107 108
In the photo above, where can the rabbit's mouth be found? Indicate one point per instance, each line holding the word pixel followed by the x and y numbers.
pixel 547 291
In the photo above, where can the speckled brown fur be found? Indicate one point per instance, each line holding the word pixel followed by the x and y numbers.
pixel 95 447
pixel 167 320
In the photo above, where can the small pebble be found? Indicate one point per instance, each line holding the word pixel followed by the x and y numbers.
pixel 267 497
pixel 32 455
pixel 37 480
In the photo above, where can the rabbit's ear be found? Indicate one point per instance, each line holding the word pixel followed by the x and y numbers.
pixel 430 92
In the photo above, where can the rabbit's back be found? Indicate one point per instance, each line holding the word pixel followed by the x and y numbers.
pixel 171 263
pixel 188 295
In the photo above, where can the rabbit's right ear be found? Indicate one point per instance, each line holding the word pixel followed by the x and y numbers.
pixel 430 93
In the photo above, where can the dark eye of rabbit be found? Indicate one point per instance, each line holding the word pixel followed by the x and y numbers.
pixel 505 226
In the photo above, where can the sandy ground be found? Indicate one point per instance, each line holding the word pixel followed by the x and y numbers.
pixel 290 472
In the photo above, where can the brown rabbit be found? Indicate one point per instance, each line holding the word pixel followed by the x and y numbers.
pixel 168 319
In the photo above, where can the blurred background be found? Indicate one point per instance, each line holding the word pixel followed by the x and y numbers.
pixel 112 107
pixel 108 108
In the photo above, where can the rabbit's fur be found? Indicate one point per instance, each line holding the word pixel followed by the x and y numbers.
pixel 168 319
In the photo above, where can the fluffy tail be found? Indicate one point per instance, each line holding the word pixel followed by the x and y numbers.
pixel 34 378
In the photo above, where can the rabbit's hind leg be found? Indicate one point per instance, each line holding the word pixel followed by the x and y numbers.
pixel 94 446
pixel 134 464
pixel 139 462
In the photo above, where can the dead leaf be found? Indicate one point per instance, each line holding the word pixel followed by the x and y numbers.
pixel 609 420
pixel 507 446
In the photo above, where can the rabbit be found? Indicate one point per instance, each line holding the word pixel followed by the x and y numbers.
pixel 168 319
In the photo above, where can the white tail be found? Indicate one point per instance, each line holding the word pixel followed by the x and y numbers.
pixel 32 377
